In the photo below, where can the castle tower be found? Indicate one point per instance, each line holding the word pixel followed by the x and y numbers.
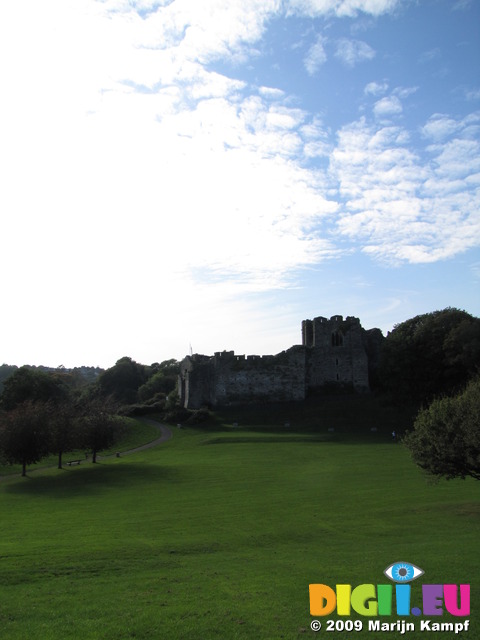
pixel 336 354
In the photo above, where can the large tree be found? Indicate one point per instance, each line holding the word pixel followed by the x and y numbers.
pixel 430 354
pixel 64 432
pixel 24 435
pixel 123 380
pixel 446 436
pixel 99 427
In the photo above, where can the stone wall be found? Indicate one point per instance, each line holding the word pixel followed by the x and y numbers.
pixel 196 382
pixel 226 378
pixel 333 353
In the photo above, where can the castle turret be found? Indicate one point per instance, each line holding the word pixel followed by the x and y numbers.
pixel 336 353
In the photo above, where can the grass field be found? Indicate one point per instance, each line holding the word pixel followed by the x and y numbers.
pixel 218 532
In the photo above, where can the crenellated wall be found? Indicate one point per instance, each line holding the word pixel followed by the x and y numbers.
pixel 333 352
pixel 238 379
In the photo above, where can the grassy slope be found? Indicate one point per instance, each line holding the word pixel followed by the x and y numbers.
pixel 218 532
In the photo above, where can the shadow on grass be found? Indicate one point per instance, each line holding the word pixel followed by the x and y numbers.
pixel 347 419
pixel 337 437
pixel 269 439
pixel 92 479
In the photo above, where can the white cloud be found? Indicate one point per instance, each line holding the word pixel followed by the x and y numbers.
pixel 150 119
pixel 404 92
pixel 460 5
pixel 341 8
pixel 316 56
pixel 441 126
pixel 376 88
pixel 201 31
pixel 271 92
pixel 352 52
pixel 388 106
pixel 472 94
pixel 398 207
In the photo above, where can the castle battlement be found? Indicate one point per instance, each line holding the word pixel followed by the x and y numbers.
pixel 333 353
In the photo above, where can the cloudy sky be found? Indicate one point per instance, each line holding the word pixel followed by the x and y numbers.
pixel 205 174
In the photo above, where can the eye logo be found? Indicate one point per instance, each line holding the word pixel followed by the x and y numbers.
pixel 403 572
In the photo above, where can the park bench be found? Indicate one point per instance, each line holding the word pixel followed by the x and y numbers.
pixel 70 462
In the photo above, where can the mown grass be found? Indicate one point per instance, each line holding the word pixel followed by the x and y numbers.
pixel 218 532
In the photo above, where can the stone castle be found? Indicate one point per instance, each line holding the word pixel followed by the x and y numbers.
pixel 334 354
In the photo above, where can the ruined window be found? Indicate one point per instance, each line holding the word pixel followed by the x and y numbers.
pixel 337 339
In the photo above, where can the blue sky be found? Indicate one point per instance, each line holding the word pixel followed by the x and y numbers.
pixel 184 174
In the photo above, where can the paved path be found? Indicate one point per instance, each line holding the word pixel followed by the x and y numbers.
pixel 166 435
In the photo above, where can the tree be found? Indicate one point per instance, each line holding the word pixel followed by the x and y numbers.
pixel 53 394
pixel 446 436
pixel 63 427
pixel 27 384
pixel 98 425
pixel 123 380
pixel 162 381
pixel 24 437
pixel 429 355
pixel 6 371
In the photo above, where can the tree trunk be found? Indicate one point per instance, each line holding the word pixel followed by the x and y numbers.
pixel 60 459
pixel 94 456
pixel 24 469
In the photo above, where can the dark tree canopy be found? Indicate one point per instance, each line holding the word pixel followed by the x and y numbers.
pixel 430 354
pixel 446 436
pixel 6 371
pixel 123 380
pixel 98 426
pixel 64 434
pixel 24 434
pixel 27 384
pixel 162 382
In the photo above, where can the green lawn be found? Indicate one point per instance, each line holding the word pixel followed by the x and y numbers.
pixel 218 532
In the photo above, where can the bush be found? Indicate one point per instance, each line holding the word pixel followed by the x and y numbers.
pixel 446 437
pixel 197 417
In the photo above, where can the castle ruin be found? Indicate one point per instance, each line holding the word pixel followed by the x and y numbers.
pixel 334 354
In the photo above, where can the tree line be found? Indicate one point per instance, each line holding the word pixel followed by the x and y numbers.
pixel 46 412
pixel 430 355
pixel 432 361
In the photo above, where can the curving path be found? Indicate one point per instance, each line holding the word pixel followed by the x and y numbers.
pixel 166 435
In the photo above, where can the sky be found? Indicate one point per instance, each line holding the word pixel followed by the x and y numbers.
pixel 185 176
